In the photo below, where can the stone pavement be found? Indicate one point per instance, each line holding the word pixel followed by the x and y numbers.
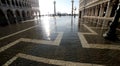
pixel 56 41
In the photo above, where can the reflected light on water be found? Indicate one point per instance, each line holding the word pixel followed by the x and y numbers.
pixel 46 26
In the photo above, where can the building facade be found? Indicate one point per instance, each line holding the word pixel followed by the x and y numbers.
pixel 99 11
pixel 15 11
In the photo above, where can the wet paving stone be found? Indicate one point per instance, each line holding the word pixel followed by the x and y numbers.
pixel 12 51
pixel 70 40
pixel 73 53
pixel 25 62
pixel 83 29
pixel 31 34
pixel 16 27
pixel 5 56
pixel 105 57
pixel 100 40
pixel 99 31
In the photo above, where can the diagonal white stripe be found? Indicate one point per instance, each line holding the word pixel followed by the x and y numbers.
pixel 93 32
pixel 55 42
pixel 9 45
pixel 10 61
pixel 98 46
pixel 36 41
pixel 83 40
pixel 58 39
pixel 18 32
pixel 48 61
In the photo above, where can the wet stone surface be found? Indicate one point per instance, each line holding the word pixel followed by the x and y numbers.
pixel 24 62
pixel 69 48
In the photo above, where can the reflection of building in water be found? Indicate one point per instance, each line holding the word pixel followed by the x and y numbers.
pixel 100 11
pixel 15 11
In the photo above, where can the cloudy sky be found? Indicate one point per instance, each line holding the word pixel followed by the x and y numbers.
pixel 63 6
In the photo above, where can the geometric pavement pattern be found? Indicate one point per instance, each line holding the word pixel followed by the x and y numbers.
pixel 62 49
pixel 99 46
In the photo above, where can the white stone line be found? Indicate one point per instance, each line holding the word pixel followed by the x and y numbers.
pixel 56 42
pixel 29 20
pixel 105 46
pixel 18 32
pixel 9 45
pixel 83 40
pixel 10 61
pixel 88 33
pixel 36 41
pixel 98 46
pixel 90 29
pixel 99 27
pixel 58 39
pixel 54 62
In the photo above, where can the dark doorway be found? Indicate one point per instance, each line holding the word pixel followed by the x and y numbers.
pixel 11 17
pixel 3 20
pixel 23 15
pixel 18 17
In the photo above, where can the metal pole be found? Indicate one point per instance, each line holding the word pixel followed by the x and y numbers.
pixel 54 8
pixel 111 33
pixel 72 6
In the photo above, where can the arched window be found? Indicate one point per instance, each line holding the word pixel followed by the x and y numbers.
pixel 20 4
pixel 13 3
pixel 16 3
pixel 8 2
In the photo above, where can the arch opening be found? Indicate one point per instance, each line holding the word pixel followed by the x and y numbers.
pixel 16 3
pixel 8 2
pixel 3 1
pixel 11 17
pixel 3 20
pixel 28 15
pixel 13 3
pixel 18 17
pixel 23 15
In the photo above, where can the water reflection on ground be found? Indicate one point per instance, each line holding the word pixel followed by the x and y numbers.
pixel 58 24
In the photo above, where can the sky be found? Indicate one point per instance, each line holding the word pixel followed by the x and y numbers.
pixel 62 6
